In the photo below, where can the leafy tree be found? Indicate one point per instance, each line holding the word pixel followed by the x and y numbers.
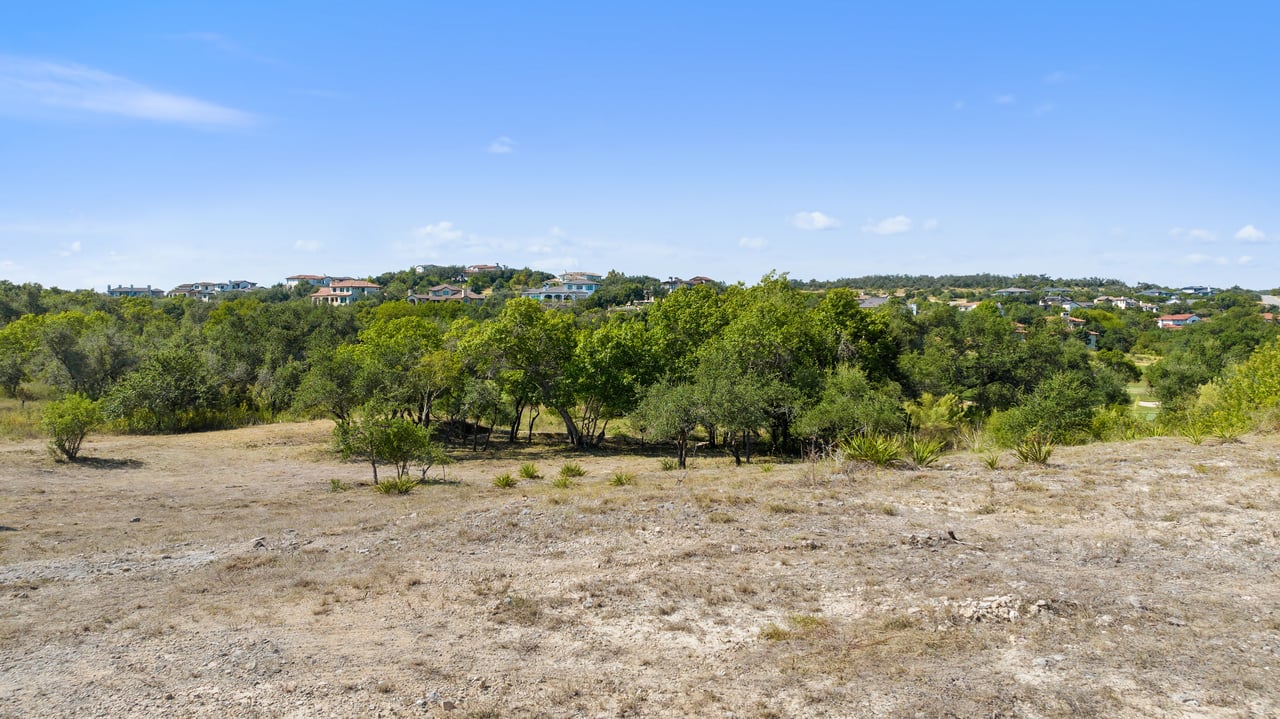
pixel 172 391
pixel 850 404
pixel 68 421
pixel 377 437
pixel 670 412
pixel 612 365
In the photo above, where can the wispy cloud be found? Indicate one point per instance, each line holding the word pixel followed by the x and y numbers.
pixel 226 46
pixel 439 233
pixel 306 245
pixel 1249 233
pixel 1199 259
pixel 28 85
pixel 69 250
pixel 502 146
pixel 814 221
pixel 1006 100
pixel 889 225
pixel 929 225
pixel 1057 77
pixel 752 243
pixel 1194 233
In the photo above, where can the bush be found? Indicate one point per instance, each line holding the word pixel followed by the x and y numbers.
pixel 562 482
pixel 505 481
pixel 1060 409
pixel 622 479
pixel 877 449
pixel 1035 449
pixel 667 464
pixel 400 485
pixel 572 469
pixel 529 470
pixel 925 452
pixel 68 421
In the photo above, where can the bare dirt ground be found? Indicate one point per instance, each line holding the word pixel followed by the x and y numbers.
pixel 216 575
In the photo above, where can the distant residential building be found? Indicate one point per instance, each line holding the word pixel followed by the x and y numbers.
pixel 1173 322
pixel 1120 303
pixel 313 280
pixel 1198 291
pixel 473 269
pixel 446 293
pixel 131 291
pixel 343 292
pixel 964 306
pixel 587 282
pixel 871 303
pixel 674 283
pixel 205 291
pixel 1155 293
pixel 1011 291
pixel 555 292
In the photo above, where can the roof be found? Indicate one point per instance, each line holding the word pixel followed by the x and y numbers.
pixel 305 277
pixel 353 284
pixel 1175 318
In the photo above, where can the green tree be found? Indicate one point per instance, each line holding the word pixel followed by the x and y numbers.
pixel 68 421
pixel 172 391
pixel 670 412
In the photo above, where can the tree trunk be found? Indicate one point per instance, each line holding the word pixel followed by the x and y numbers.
pixel 534 413
pixel 682 447
pixel 575 437
pixel 515 424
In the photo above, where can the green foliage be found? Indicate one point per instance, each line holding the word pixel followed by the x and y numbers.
pixel 1060 409
pixel 572 469
pixel 172 391
pixel 396 485
pixel 68 421
pixel 1034 449
pixel 936 418
pixel 529 470
pixel 505 481
pixel 381 439
pixel 876 449
pixel 337 485
pixel 622 479
pixel 1246 392
pixel 925 451
pixel 562 482
pixel 851 405
pixel 666 464
pixel 991 459
pixel 1118 423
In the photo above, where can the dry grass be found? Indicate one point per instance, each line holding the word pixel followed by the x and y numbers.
pixel 1126 580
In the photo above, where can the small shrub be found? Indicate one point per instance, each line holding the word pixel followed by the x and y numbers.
pixel 991 459
pixel 336 485
pixel 562 482
pixel 799 626
pixel 783 508
pixel 571 470
pixel 505 481
pixel 877 449
pixel 529 470
pixel 1195 430
pixel 767 467
pixel 622 479
pixel 924 452
pixel 68 421
pixel 719 517
pixel 668 464
pixel 400 485
pixel 1034 450
pixel 1227 426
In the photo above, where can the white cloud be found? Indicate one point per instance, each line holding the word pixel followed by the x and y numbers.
pixel 1249 233
pixel 32 85
pixel 889 226
pixel 439 233
pixel 306 245
pixel 1056 77
pixel 1199 259
pixel 1194 233
pixel 929 225
pixel 70 249
pixel 1006 100
pixel 814 221
pixel 502 146
pixel 752 243
pixel 1244 260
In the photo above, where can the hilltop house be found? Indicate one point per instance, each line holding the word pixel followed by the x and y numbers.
pixel 1176 322
pixel 674 283
pixel 587 282
pixel 1011 291
pixel 446 293
pixel 205 291
pixel 131 291
pixel 314 280
pixel 343 292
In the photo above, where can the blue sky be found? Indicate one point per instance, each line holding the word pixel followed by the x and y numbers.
pixel 159 143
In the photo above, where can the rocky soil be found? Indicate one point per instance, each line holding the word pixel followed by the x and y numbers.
pixel 216 575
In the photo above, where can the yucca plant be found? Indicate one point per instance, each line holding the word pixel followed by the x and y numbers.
pixel 529 470
pixel 1034 449
pixel 622 479
pixel 877 449
pixel 572 469
pixel 924 452
pixel 400 485
pixel 505 481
